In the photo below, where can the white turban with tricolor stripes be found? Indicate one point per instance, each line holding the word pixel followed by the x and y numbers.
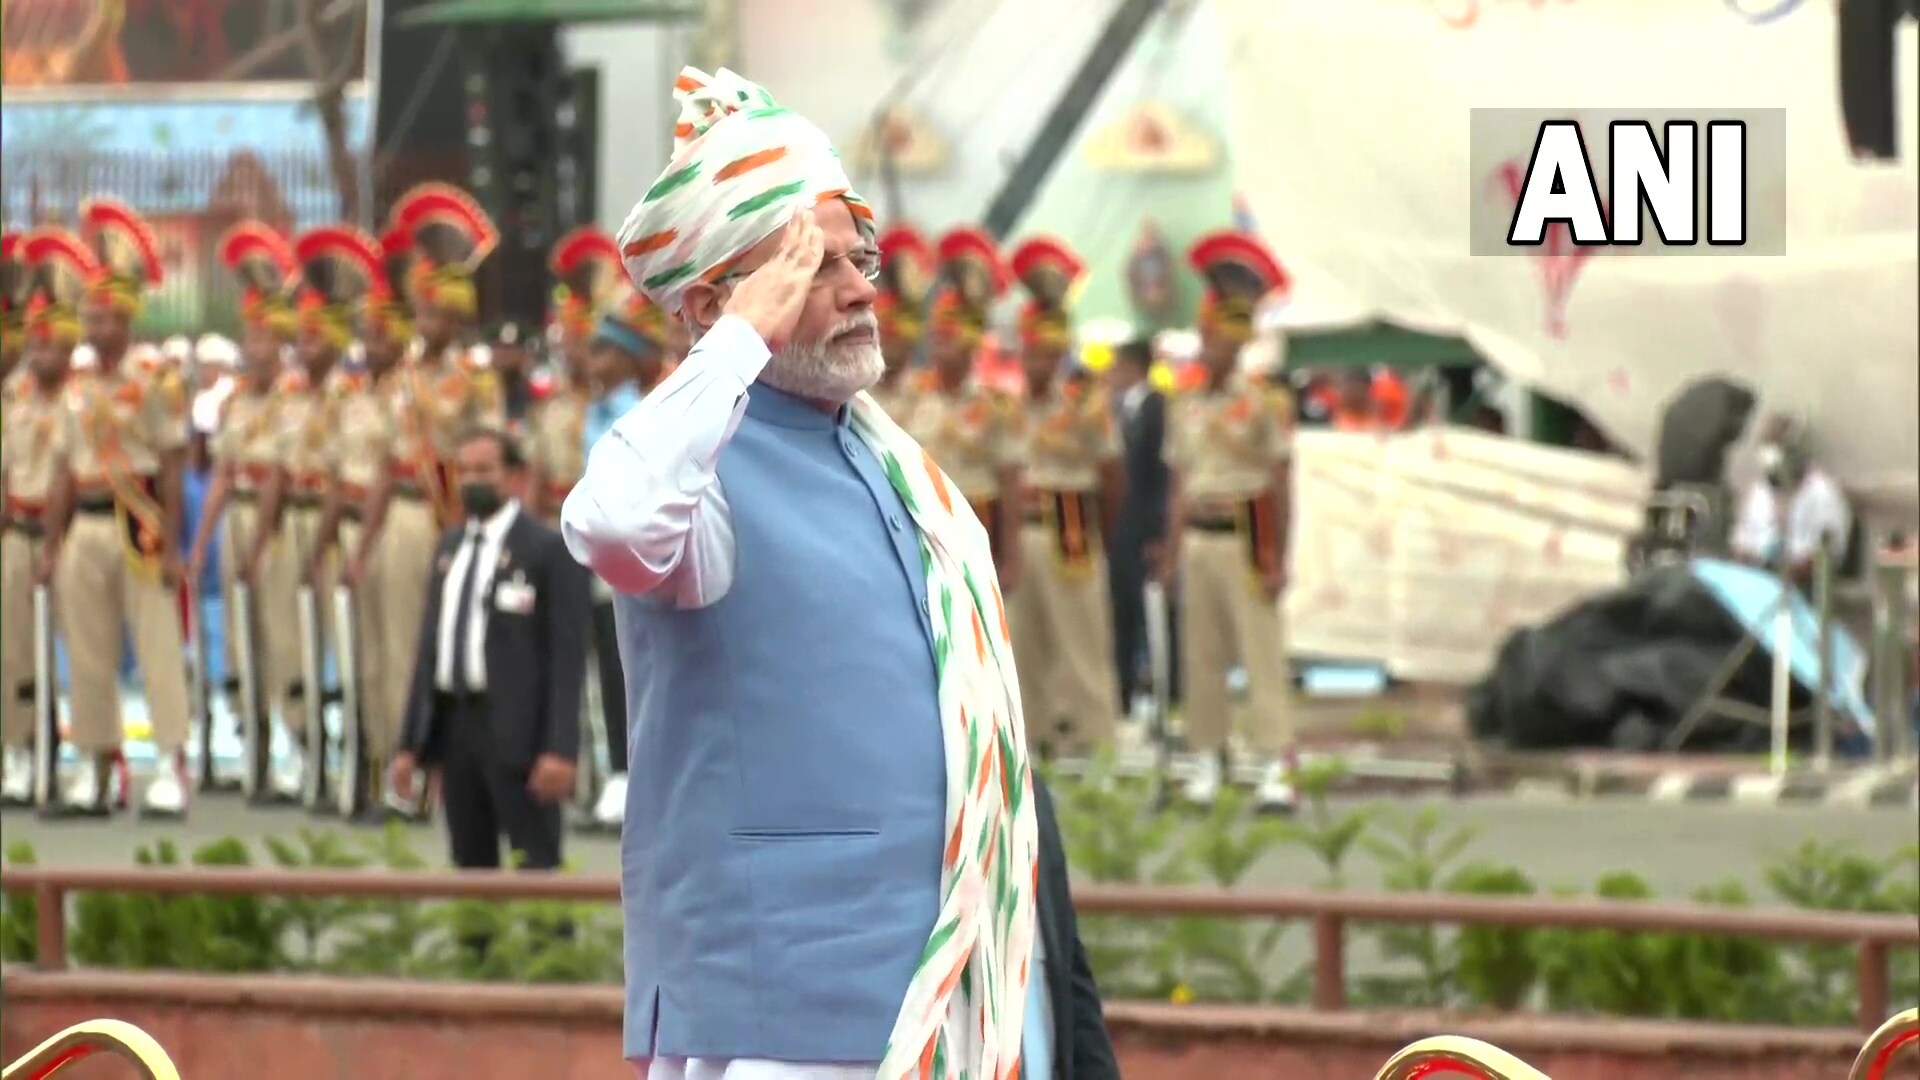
pixel 741 167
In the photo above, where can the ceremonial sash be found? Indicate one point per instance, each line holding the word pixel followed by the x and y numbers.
pixel 136 503
pixel 434 475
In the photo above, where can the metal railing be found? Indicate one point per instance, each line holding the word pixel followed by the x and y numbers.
pixel 1872 936
pixel 1438 1054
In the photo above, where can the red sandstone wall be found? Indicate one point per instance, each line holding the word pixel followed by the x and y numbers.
pixel 246 1029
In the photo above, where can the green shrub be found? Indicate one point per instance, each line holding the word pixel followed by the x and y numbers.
pixel 1494 967
pixel 1114 832
pixel 20 915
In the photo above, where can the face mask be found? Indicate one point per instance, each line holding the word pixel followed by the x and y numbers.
pixel 480 500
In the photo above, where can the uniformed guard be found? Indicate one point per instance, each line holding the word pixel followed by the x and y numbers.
pixel 586 264
pixel 906 276
pixel 1058 615
pixel 1227 446
pixel 438 395
pixel 292 504
pixel 16 582
pixel 32 412
pixel 120 449
pixel 348 438
pixel 510 348
pixel 245 449
pixel 15 284
pixel 969 428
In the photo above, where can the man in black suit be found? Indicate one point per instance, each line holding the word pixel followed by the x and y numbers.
pixel 495 704
pixel 1072 1031
pixel 1142 522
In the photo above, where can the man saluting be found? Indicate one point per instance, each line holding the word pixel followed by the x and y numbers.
pixel 829 851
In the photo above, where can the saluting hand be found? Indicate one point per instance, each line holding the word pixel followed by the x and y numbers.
pixel 771 298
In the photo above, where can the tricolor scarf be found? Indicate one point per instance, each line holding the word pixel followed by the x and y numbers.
pixel 742 167
pixel 966 1005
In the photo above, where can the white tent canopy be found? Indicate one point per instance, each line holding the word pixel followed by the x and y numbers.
pixel 1350 125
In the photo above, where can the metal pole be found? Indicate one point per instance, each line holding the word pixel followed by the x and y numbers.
pixel 1096 71
pixel 1822 706
pixel 1889 665
pixel 370 80
pixel 1782 697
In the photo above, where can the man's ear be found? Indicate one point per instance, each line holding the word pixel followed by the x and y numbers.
pixel 701 307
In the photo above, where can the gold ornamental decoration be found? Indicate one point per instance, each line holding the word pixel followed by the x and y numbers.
pixel 92 1039
pixel 1152 138
pixel 917 149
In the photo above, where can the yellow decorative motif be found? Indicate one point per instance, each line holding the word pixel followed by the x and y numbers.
pixel 86 1040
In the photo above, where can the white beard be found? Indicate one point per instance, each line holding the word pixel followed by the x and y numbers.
pixel 824 371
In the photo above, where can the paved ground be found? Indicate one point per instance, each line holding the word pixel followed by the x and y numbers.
pixel 1677 847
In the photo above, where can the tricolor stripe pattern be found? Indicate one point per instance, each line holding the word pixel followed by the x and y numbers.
pixel 741 167
pixel 965 1007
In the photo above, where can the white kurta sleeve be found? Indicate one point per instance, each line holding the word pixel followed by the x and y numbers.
pixel 648 515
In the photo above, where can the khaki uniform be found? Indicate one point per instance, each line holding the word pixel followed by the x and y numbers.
pixel 26 457
pixel 972 435
pixel 1058 616
pixel 1224 447
pixel 114 431
pixel 361 417
pixel 556 443
pixel 307 434
pixel 434 405
pixel 248 443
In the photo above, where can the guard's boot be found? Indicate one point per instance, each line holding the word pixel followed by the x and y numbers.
pixel 1203 783
pixel 91 792
pixel 166 793
pixel 1276 793
pixel 16 788
pixel 288 776
pixel 611 808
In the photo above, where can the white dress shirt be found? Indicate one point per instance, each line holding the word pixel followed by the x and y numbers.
pixel 648 514
pixel 1816 513
pixel 483 541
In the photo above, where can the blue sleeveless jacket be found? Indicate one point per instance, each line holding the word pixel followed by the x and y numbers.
pixel 787 801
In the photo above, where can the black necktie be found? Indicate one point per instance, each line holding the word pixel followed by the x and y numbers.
pixel 462 615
